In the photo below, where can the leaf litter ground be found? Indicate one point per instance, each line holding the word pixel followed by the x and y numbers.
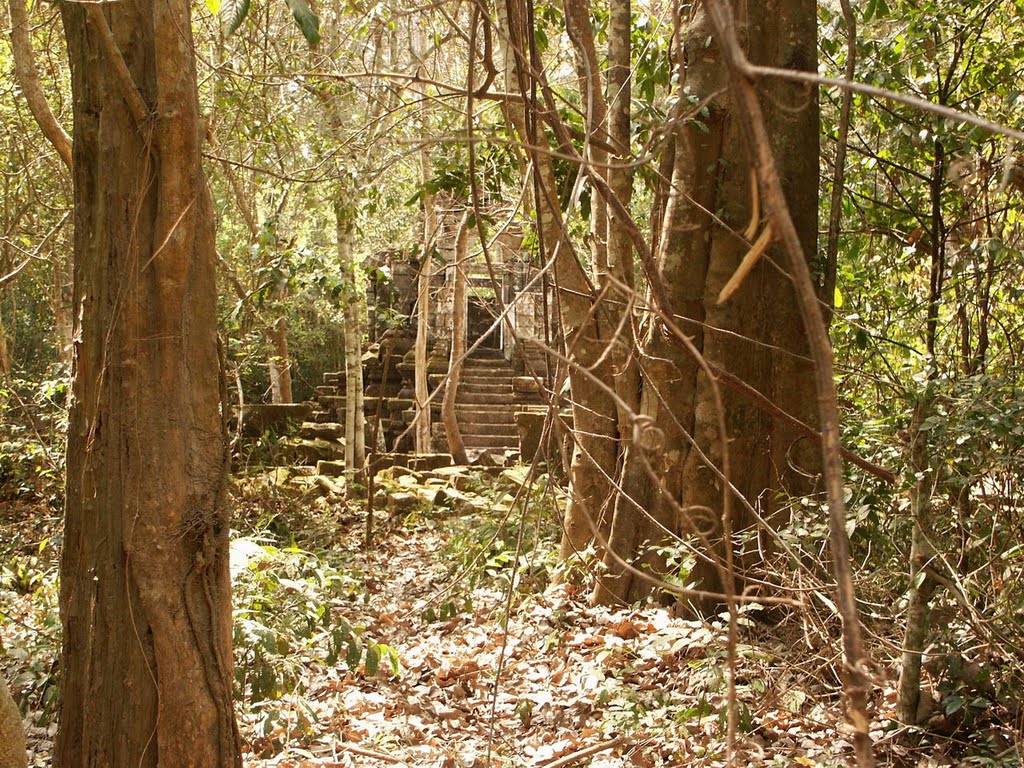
pixel 535 677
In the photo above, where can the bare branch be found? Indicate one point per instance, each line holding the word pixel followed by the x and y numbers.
pixel 28 78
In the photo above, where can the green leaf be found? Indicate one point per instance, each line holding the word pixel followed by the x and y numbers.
pixel 234 12
pixel 308 21
pixel 372 659
pixel 837 299
pixel 952 704
pixel 392 656
pixel 355 652
pixel 213 6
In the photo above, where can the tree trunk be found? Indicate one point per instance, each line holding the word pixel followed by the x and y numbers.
pixel 619 99
pixel 280 363
pixel 355 416
pixel 595 425
pixel 13 752
pixel 588 71
pixel 61 306
pixel 421 375
pixel 622 528
pixel 145 587
pixel 921 585
pixel 757 335
pixel 5 358
pixel 459 308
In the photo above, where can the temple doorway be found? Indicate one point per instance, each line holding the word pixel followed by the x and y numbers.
pixel 480 314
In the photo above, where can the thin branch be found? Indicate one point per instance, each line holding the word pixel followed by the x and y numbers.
pixel 136 104
pixel 754 71
pixel 14 273
pixel 835 216
pixel 28 78
pixel 579 754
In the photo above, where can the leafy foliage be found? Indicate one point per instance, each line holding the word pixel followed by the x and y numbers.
pixel 286 619
pixel 234 12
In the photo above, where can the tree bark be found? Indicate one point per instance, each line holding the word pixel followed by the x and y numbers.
pixel 761 340
pixel 280 363
pixel 145 586
pixel 421 378
pixel 595 425
pixel 355 416
pixel 456 446
pixel 785 223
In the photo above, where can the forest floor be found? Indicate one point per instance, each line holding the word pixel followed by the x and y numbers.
pixel 451 643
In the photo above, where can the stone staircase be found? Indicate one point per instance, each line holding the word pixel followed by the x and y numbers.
pixel 486 402
pixel 492 391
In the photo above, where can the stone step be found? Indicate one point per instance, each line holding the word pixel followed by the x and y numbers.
pixel 502 380
pixel 488 430
pixel 483 388
pixel 471 364
pixel 481 414
pixel 505 381
pixel 487 353
pixel 474 398
pixel 490 441
pixel 485 367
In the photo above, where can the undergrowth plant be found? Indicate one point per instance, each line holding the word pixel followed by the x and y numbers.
pixel 287 620
pixel 511 544
pixel 31 629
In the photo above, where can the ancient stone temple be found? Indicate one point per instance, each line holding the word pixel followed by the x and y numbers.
pixel 509 321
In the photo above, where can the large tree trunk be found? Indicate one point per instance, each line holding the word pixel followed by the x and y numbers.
pixel 145 587
pixel 757 335
pixel 595 425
